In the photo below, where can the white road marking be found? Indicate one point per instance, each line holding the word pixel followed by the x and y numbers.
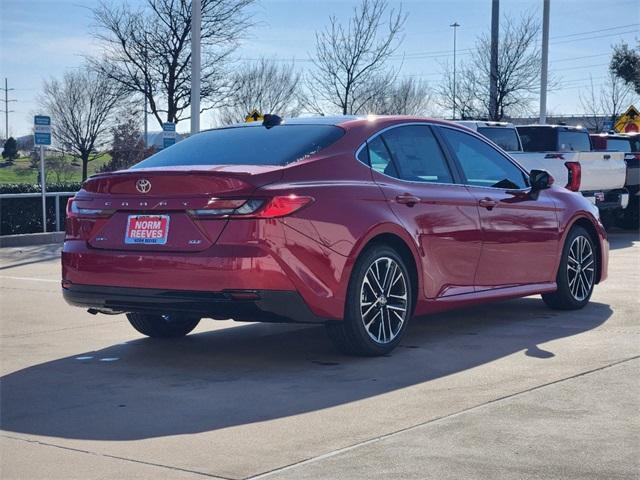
pixel 109 359
pixel 84 358
pixel 34 279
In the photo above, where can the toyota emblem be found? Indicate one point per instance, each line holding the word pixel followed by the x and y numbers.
pixel 143 185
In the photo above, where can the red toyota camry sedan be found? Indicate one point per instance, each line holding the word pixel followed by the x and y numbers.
pixel 356 223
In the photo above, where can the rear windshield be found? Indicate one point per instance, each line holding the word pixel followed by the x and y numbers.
pixel 619 144
pixel 246 146
pixel 505 138
pixel 535 139
pixel 572 141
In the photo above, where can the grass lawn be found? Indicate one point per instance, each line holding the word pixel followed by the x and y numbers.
pixel 21 171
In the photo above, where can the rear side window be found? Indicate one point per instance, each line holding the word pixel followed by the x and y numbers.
pixel 483 165
pixel 572 141
pixel 505 138
pixel 417 155
pixel 619 145
pixel 380 158
pixel 247 146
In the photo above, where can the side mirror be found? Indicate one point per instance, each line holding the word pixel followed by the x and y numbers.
pixel 540 180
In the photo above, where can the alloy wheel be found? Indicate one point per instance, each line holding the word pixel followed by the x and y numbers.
pixel 580 268
pixel 383 300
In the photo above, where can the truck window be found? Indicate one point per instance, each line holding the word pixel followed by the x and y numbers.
pixel 537 139
pixel 573 141
pixel 505 138
pixel 619 145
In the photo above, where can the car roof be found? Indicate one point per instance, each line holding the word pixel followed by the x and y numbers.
pixel 484 123
pixel 346 121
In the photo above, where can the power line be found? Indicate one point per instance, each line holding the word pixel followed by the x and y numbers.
pixel 618 27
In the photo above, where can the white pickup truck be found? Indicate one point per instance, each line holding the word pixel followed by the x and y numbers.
pixel 567 154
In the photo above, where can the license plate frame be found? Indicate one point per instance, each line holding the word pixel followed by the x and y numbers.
pixel 157 234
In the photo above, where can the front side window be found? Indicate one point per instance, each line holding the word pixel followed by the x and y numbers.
pixel 483 165
pixel 417 155
pixel 250 145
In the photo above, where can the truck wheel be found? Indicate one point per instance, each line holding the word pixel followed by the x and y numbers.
pixel 576 274
pixel 379 305
pixel 630 218
pixel 163 326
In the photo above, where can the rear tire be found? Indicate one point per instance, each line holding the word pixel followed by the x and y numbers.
pixel 577 272
pixel 378 307
pixel 163 326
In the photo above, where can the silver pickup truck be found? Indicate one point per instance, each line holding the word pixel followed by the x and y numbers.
pixel 567 154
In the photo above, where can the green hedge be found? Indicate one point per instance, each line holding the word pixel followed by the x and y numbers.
pixel 24 215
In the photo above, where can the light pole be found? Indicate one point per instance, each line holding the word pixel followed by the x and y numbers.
pixel 455 26
pixel 196 20
pixel 545 61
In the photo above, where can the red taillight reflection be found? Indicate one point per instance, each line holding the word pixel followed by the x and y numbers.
pixel 283 206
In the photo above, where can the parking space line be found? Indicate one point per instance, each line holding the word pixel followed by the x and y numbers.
pixel 32 279
pixel 115 457
pixel 433 420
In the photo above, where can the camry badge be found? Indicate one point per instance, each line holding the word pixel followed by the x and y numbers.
pixel 143 185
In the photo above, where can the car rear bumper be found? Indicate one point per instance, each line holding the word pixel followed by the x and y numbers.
pixel 242 305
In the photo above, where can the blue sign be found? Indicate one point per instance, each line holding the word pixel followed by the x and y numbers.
pixel 607 125
pixel 41 120
pixel 168 134
pixel 42 130
pixel 42 138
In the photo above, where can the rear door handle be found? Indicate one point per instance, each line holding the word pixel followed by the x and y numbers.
pixel 487 203
pixel 408 200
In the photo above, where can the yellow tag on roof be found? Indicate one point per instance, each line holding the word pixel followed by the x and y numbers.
pixel 254 116
pixel 629 121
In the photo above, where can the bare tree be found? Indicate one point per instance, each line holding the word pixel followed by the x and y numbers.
pixel 81 104
pixel 148 50
pixel 468 104
pixel 351 60
pixel 405 97
pixel 519 63
pixel 606 102
pixel 264 85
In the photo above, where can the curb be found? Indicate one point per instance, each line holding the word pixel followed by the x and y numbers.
pixel 28 239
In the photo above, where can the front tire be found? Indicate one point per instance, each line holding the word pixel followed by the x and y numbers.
pixel 379 305
pixel 576 274
pixel 163 326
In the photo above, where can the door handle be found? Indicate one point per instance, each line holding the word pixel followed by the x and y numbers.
pixel 408 200
pixel 487 203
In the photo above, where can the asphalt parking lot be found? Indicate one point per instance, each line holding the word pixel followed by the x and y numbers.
pixel 507 390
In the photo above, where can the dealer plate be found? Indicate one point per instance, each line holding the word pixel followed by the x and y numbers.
pixel 147 229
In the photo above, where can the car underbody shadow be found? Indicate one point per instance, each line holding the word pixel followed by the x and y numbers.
pixel 251 373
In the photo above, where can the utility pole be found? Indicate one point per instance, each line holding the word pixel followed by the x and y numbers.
pixel 545 61
pixel 6 110
pixel 196 21
pixel 493 80
pixel 455 26
pixel 146 93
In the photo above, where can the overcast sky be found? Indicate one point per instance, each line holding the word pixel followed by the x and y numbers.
pixel 42 38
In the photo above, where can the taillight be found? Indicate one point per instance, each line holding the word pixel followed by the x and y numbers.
pixel 74 211
pixel 575 176
pixel 279 206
